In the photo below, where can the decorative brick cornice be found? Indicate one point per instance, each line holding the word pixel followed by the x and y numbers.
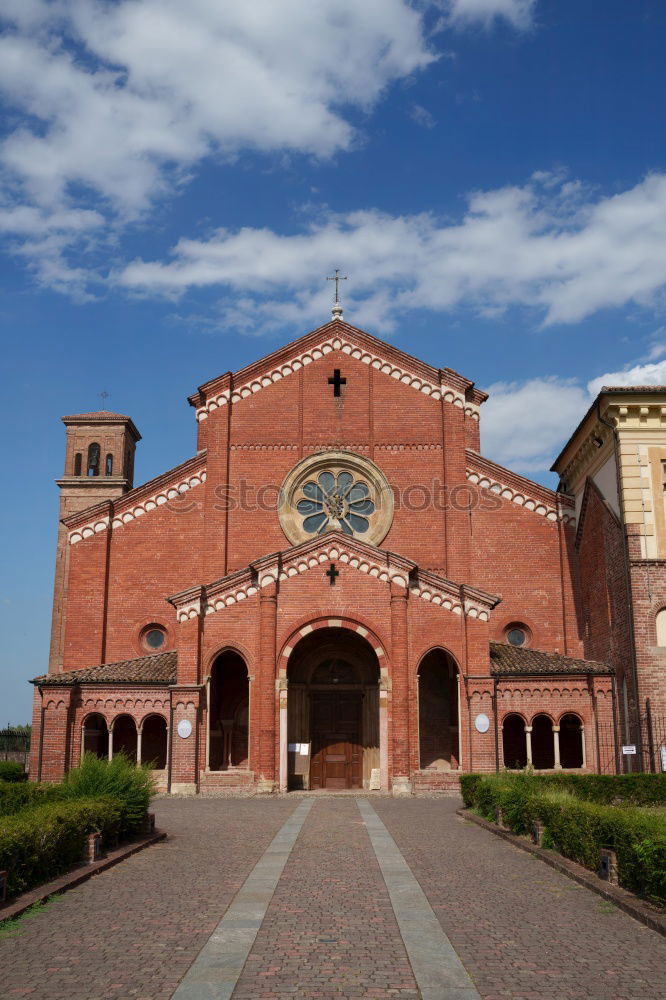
pixel 519 490
pixel 334 547
pixel 169 486
pixel 438 383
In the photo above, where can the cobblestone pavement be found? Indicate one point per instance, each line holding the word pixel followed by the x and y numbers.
pixel 521 929
pixel 132 932
pixel 330 930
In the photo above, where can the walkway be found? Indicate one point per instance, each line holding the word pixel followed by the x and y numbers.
pixel 346 898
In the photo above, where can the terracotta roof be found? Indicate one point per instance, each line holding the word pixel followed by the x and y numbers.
pixel 97 415
pixel 633 388
pixel 506 660
pixel 160 668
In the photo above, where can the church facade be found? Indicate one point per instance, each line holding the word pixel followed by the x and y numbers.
pixel 339 591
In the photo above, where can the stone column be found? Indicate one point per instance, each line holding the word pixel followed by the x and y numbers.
pixel 110 741
pixel 556 747
pixel 400 690
pixel 383 739
pixel 284 735
pixel 139 734
pixel 528 743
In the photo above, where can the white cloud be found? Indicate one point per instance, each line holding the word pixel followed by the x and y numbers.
pixel 648 374
pixel 119 96
pixel 548 245
pixel 554 406
pixel 422 116
pixel 519 13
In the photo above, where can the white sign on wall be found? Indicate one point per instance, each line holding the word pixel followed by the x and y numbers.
pixel 628 750
pixel 184 728
pixel 482 723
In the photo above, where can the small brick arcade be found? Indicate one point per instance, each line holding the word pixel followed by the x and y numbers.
pixel 336 591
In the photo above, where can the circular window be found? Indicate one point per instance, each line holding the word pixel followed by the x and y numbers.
pixel 153 637
pixel 336 491
pixel 516 635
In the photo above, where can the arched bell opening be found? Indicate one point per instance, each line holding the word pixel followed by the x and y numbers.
pixel 124 737
pixel 228 715
pixel 543 743
pixel 571 741
pixel 95 736
pixel 333 712
pixel 439 732
pixel 514 742
pixel 154 742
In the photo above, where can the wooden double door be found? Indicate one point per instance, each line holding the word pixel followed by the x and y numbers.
pixel 336 760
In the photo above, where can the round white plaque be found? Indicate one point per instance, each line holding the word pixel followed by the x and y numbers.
pixel 184 728
pixel 482 723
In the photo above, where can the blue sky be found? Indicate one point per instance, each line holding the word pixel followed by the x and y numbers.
pixel 177 182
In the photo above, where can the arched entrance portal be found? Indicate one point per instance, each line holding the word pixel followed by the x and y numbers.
pixel 228 713
pixel 439 747
pixel 333 712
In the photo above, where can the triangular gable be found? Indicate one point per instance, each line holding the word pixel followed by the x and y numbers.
pixel 519 489
pixel 137 502
pixel 334 547
pixel 439 383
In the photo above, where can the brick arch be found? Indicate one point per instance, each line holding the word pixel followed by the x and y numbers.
pixel 342 622
pixel 230 647
pixel 151 712
pixel 512 711
pixel 437 648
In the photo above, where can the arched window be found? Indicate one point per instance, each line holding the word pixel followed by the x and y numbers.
pixel 571 741
pixel 95 736
pixel 92 468
pixel 78 461
pixel 514 742
pixel 124 736
pixel 154 742
pixel 661 627
pixel 439 748
pixel 543 743
pixel 108 466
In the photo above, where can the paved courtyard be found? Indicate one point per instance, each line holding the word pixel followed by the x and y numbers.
pixel 333 897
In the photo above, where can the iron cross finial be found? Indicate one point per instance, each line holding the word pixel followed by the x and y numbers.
pixel 337 308
pixel 104 396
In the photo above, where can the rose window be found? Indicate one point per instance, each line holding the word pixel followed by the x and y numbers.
pixel 336 502
pixel 335 491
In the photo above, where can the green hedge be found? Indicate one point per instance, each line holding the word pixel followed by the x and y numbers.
pixel 119 778
pixel 41 843
pixel 11 770
pixel 578 828
pixel 605 789
pixel 14 798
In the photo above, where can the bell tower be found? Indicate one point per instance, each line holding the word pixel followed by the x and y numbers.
pixel 99 465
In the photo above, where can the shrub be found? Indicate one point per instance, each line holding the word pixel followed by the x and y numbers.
pixel 41 843
pixel 14 798
pixel 578 829
pixel 11 770
pixel 609 789
pixel 119 778
pixel 468 785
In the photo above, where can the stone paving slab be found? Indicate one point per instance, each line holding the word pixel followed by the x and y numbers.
pixel 522 930
pixel 132 932
pixel 439 973
pixel 330 930
pixel 214 974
